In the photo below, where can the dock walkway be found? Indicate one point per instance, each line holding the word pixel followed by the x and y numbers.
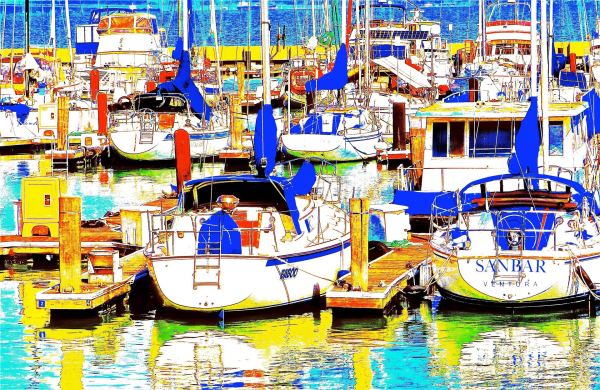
pixel 387 277
pixel 93 296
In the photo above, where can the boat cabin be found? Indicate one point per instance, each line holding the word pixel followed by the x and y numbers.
pixel 464 141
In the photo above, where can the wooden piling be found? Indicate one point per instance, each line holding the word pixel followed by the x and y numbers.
pixel 94 84
pixel 70 244
pixel 473 89
pixel 102 114
pixel 399 126
pixel 241 78
pixel 62 128
pixel 237 124
pixel 359 233
pixel 183 160
pixel 417 150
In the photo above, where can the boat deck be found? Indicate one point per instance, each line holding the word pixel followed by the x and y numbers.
pixel 93 296
pixel 388 275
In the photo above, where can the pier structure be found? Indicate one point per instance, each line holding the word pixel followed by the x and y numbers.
pixel 378 286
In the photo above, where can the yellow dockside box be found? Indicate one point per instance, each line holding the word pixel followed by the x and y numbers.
pixel 39 197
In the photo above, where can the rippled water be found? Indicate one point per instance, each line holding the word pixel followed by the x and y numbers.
pixel 574 19
pixel 420 348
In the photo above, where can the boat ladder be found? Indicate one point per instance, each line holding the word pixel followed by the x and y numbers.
pixel 504 275
pixel 207 266
pixel 147 126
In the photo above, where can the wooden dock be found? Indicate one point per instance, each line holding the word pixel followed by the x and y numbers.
pixel 107 236
pixel 92 296
pixel 388 275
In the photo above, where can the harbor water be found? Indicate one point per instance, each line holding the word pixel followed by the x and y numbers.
pixel 424 347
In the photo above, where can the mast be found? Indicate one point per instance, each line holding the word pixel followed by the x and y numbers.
pixel 357 43
pixel 343 37
pixel 185 25
pixel 53 28
pixel 69 45
pixel 534 50
pixel 314 19
pixel 545 98
pixel 265 36
pixel 26 73
pixel 483 31
pixel 213 27
pixel 26 26
pixel 367 42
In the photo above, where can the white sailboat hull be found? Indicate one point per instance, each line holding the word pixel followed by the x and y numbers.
pixel 242 283
pixel 162 146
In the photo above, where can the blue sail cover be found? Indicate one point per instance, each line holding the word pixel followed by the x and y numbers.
pixel 21 110
pixel 524 159
pixel 183 83
pixel 334 80
pixel 592 116
pixel 265 141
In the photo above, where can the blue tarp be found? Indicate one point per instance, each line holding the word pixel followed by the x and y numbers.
pixel 265 141
pixel 573 79
pixel 184 84
pixel 219 233
pixel 334 80
pixel 21 110
pixel 524 159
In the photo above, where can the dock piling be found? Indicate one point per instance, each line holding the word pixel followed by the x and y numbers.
pixel 102 113
pixel 183 161
pixel 399 125
pixel 359 233
pixel 70 244
pixel 63 122
pixel 94 84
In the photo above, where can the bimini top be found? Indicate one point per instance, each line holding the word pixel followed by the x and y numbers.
pixel 253 191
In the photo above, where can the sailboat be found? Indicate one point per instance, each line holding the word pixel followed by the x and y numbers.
pixel 251 241
pixel 142 129
pixel 334 133
pixel 520 240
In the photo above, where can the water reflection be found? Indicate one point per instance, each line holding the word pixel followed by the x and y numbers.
pixel 413 349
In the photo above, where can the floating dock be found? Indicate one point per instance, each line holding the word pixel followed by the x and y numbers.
pixel 377 286
pixel 92 296
pixel 387 277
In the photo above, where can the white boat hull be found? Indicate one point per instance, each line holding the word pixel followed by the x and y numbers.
pixel 331 147
pixel 162 147
pixel 244 283
pixel 544 281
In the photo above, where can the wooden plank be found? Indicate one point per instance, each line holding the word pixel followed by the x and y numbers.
pixel 387 277
pixel 69 220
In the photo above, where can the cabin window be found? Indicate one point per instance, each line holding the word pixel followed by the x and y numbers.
pixel 556 138
pixel 448 139
pixel 491 138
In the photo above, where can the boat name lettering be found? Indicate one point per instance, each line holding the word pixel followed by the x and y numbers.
pixel 510 265
pixel 510 283
pixel 288 273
